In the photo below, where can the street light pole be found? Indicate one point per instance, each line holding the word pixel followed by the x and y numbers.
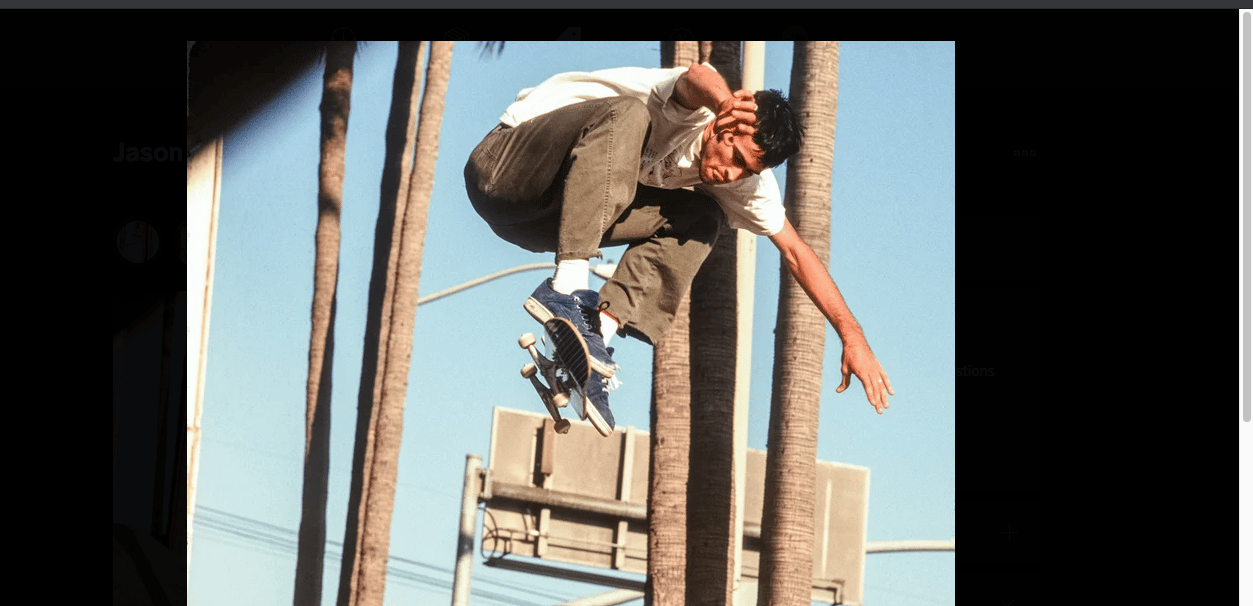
pixel 745 279
pixel 465 535
pixel 895 546
pixel 604 270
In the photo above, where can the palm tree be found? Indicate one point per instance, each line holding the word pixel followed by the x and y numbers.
pixel 399 236
pixel 336 93
pixel 669 436
pixel 398 146
pixel 669 441
pixel 711 517
pixel 788 508
pixel 227 84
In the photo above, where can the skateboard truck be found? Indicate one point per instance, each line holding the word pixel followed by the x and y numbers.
pixel 557 393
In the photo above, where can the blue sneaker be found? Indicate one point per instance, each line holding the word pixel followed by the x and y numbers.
pixel 570 351
pixel 581 309
pixel 598 413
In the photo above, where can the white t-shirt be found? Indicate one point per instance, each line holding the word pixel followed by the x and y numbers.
pixel 673 146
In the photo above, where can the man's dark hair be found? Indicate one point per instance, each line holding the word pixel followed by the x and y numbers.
pixel 778 130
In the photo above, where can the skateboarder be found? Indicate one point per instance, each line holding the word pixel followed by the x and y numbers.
pixel 591 159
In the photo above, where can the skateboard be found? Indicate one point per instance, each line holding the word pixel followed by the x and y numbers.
pixel 564 374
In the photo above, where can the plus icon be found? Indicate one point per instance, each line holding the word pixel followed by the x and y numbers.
pixel 1009 532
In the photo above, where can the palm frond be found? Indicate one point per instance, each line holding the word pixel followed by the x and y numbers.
pixel 487 48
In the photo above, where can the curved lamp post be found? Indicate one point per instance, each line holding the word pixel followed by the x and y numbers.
pixel 604 270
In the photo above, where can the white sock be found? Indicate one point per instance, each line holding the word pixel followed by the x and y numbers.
pixel 608 326
pixel 570 276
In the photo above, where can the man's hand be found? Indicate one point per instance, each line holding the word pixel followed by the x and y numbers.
pixel 859 360
pixel 737 112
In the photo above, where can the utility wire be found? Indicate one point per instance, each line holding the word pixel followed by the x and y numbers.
pixel 277 537
pixel 908 595
pixel 287 548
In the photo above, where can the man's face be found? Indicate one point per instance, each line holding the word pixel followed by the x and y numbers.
pixel 728 157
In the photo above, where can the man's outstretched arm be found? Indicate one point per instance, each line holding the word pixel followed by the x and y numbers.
pixel 817 283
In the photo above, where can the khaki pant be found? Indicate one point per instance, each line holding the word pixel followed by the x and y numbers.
pixel 568 182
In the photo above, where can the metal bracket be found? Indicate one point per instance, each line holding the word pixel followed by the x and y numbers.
pixel 624 494
pixel 485 495
pixel 548 438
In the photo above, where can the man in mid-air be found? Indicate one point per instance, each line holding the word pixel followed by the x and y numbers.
pixel 592 159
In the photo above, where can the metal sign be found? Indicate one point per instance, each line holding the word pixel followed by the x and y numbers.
pixel 581 498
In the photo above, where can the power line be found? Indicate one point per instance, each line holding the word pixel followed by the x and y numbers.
pixel 279 538
pixel 908 595
pixel 288 547
pixel 336 467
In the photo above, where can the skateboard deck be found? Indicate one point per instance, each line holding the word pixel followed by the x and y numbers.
pixel 564 374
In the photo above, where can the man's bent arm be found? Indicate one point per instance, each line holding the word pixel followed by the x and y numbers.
pixel 701 87
pixel 817 283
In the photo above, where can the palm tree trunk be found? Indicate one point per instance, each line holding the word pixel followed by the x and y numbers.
pixel 670 434
pixel 671 421
pixel 336 93
pixel 379 501
pixel 711 517
pixel 788 509
pixel 399 140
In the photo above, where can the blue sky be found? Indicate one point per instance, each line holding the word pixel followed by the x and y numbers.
pixel 892 255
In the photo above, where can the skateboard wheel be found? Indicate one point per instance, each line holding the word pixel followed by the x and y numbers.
pixel 526 340
pixel 562 426
pixel 528 371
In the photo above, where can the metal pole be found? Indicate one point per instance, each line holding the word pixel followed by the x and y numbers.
pixel 894 546
pixel 604 270
pixel 500 274
pixel 612 598
pixel 465 539
pixel 625 510
pixel 745 272
pixel 518 565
